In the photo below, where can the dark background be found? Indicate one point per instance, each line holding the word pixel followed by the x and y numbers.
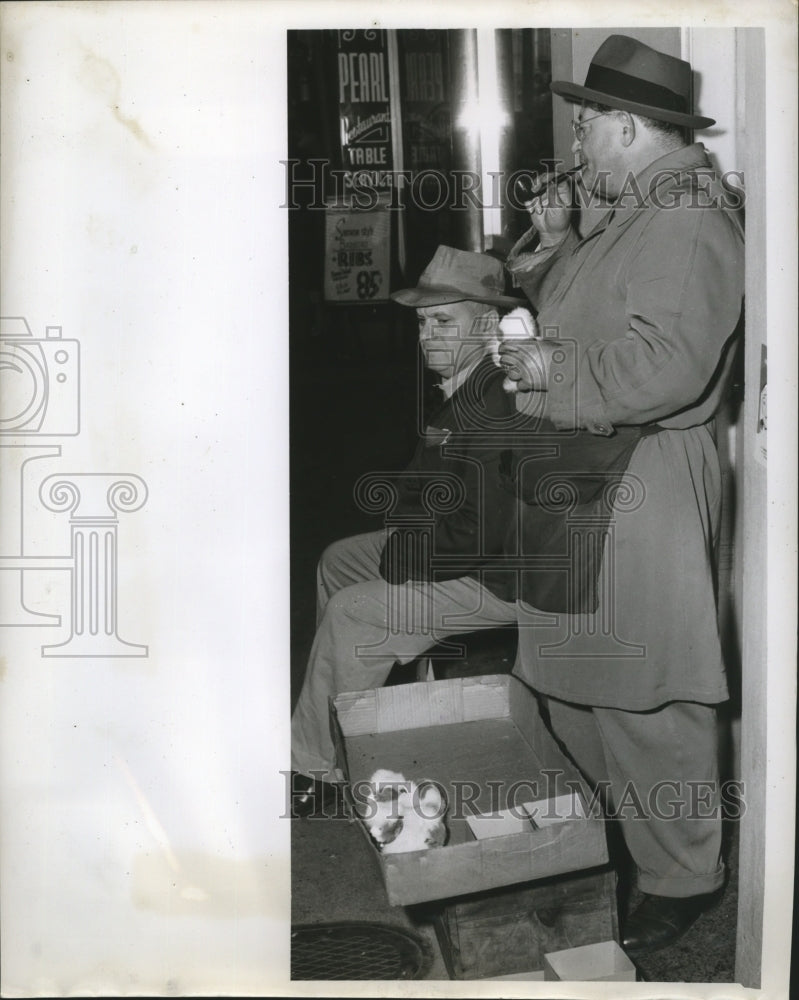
pixel 354 369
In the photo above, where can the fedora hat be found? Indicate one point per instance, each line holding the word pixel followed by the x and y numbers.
pixel 456 275
pixel 631 76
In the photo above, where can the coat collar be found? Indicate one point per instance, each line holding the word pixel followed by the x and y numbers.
pixel 654 182
pixel 663 175
pixel 451 385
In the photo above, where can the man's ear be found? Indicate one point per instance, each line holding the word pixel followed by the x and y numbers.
pixel 489 321
pixel 628 128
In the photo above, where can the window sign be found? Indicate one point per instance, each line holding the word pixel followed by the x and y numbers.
pixel 357 255
pixel 365 109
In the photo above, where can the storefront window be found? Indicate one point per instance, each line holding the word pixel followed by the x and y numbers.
pixel 371 121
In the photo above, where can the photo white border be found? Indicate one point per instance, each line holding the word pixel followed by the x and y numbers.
pixel 255 24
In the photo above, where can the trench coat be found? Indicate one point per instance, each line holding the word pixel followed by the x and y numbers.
pixel 647 308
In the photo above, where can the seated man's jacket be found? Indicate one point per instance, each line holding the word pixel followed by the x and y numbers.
pixel 453 506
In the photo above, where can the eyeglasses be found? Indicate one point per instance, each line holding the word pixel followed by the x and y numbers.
pixel 578 129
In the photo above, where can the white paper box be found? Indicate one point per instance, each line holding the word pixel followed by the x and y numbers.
pixel 604 961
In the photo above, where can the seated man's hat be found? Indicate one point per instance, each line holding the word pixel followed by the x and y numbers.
pixel 631 76
pixel 455 275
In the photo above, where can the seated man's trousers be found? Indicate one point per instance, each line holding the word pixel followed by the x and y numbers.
pixel 365 626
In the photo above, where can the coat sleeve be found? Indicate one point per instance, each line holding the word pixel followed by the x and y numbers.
pixel 682 284
pixel 538 273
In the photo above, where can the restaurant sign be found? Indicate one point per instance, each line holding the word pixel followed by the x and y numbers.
pixel 364 109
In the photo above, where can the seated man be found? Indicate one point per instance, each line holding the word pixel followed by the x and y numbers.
pixel 379 599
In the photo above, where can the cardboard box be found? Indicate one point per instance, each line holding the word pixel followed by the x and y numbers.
pixel 603 961
pixel 481 738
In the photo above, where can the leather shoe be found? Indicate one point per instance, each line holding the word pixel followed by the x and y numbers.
pixel 660 920
pixel 312 798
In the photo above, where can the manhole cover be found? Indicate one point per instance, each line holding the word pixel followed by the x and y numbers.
pixel 356 950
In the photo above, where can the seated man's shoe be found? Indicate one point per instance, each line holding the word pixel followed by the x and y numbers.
pixel 658 921
pixel 315 799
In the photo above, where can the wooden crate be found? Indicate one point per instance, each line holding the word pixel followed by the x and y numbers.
pixel 511 930
pixel 482 730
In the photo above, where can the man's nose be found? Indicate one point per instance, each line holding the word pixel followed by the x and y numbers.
pixel 575 145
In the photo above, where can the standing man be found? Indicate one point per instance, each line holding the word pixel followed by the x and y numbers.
pixel 642 313
pixel 380 600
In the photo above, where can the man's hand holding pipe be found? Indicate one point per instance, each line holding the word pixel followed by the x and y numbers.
pixel 551 213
